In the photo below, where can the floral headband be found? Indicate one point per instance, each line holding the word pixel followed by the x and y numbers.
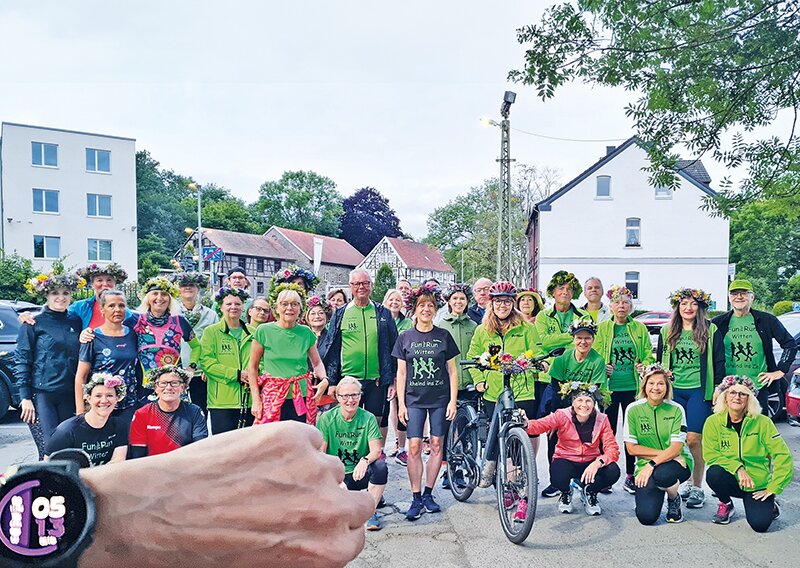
pixel 317 301
pixel 310 280
pixel 275 292
pixel 190 279
pixel 731 380
pixel 465 289
pixel 654 369
pixel 113 270
pixel 160 283
pixel 154 375
pixel 106 380
pixel 425 290
pixel 45 283
pixel 563 277
pixel 696 294
pixel 226 291
pixel 593 390
pixel 583 325
pixel 616 293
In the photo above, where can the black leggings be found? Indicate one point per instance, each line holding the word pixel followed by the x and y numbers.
pixel 377 474
pixel 227 419
pixel 619 402
pixel 726 485
pixel 563 471
pixel 650 498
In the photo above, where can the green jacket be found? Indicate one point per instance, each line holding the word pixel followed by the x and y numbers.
pixel 223 359
pixel 462 328
pixel 759 447
pixel 638 334
pixel 516 341
pixel 712 368
pixel 656 427
pixel 549 328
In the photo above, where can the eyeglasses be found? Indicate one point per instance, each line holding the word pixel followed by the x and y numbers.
pixel 349 396
pixel 503 301
pixel 739 293
pixel 738 394
pixel 165 384
pixel 289 304
pixel 365 284
pixel 260 309
pixel 482 289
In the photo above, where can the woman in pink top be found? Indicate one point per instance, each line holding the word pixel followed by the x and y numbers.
pixel 582 429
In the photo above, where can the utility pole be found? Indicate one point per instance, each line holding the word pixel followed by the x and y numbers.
pixel 504 236
pixel 196 187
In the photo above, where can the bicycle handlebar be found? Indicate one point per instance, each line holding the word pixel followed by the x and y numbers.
pixel 476 364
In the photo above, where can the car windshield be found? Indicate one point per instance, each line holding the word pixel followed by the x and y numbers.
pixel 791 322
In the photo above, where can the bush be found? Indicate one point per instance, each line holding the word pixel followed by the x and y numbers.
pixel 714 313
pixel 14 272
pixel 782 307
pixel 384 280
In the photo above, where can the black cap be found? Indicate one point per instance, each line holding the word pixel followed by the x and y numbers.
pixel 237 269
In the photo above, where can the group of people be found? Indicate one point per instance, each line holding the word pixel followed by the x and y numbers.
pixel 123 384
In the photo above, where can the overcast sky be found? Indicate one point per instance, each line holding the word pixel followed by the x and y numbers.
pixel 375 94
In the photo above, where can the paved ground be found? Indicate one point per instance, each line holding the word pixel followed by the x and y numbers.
pixel 469 534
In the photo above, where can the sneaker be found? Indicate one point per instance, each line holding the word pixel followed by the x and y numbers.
pixel 522 511
pixel 381 503
pixel 395 450
pixel 674 514
pixel 696 498
pixel 445 481
pixel 551 491
pixel 374 523
pixel 565 501
pixel 776 511
pixel 685 490
pixel 590 503
pixel 382 456
pixel 430 505
pixel 510 498
pixel 725 512
pixel 402 458
pixel 487 474
pixel 607 490
pixel 629 485
pixel 415 510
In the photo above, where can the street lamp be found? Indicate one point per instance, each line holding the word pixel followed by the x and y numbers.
pixel 196 187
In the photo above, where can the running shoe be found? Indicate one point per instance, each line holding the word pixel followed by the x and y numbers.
pixel 374 523
pixel 776 511
pixel 551 491
pixel 510 497
pixel 674 514
pixel 630 484
pixel 590 503
pixel 565 501
pixel 607 490
pixel 381 503
pixel 396 449
pixel 696 498
pixel 487 474
pixel 522 511
pixel 415 510
pixel 445 480
pixel 382 456
pixel 725 512
pixel 402 458
pixel 430 505
pixel 685 489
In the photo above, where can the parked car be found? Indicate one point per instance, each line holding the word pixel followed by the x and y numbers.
pixel 9 329
pixel 654 320
pixel 785 390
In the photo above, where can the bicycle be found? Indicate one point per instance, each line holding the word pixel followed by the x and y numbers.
pixel 470 443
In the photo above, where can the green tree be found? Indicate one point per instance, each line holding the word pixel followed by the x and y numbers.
pixel 305 201
pixel 792 289
pixel 15 270
pixel 384 280
pixel 701 68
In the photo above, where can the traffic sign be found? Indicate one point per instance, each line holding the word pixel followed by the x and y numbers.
pixel 796 307
pixel 212 253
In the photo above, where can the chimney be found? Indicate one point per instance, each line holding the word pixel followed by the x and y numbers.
pixel 610 150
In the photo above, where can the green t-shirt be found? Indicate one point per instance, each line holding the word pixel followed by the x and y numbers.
pixel 593 313
pixel 360 342
pixel 744 352
pixel 623 358
pixel 565 320
pixel 285 350
pixel 685 361
pixel 349 441
pixel 566 368
pixel 236 332
pixel 656 427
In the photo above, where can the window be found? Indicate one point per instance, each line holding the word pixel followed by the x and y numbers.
pixel 277 265
pixel 604 187
pixel 99 249
pixel 259 287
pixel 98 160
pixel 259 265
pixel 633 232
pixel 98 205
pixel 632 283
pixel 45 201
pixel 663 192
pixel 243 262
pixel 46 247
pixel 44 154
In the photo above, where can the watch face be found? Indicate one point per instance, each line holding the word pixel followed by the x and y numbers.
pixel 43 515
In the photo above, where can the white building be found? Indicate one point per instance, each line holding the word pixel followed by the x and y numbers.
pixel 67 193
pixel 415 261
pixel 610 222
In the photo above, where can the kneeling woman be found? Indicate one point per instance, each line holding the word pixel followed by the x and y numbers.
pixel 663 459
pixel 582 432
pixel 745 454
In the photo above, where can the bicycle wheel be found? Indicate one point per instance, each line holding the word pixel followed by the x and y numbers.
pixel 517 486
pixel 462 444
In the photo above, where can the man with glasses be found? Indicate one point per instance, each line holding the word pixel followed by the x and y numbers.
pixel 168 423
pixel 748 336
pixel 480 291
pixel 352 434
pixel 359 344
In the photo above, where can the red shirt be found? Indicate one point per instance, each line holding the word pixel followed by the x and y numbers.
pixel 161 432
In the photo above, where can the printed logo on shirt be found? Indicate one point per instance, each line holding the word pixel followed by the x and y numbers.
pixel 725 444
pixel 644 427
pixel 151 427
pixel 106 352
pixel 352 326
pixel 622 356
pixel 226 347
pixel 742 352
pixel 684 356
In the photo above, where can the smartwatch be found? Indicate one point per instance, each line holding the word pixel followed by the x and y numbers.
pixel 47 515
pixel 653 463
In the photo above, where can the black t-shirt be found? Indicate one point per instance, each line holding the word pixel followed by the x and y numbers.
pixel 426 355
pixel 99 443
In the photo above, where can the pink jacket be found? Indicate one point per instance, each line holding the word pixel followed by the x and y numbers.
pixel 569 445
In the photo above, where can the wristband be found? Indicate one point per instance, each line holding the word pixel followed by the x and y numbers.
pixel 602 461
pixel 652 463
pixel 366 459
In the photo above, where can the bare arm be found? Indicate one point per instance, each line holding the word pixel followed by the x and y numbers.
pixel 84 368
pixel 319 372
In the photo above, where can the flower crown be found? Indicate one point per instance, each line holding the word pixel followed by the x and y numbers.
pixel 731 380
pixel 107 380
pixel 496 360
pixel 465 289
pixel 275 292
pixel 583 325
pixel 696 294
pixel 45 283
pixel 159 283
pixel 315 301
pixel 576 388
pixel 225 291
pixel 616 293
pixel 417 293
pixel 655 368
pixel 154 375
pixel 113 270
pixel 563 277
pixel 190 279
pixel 310 280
